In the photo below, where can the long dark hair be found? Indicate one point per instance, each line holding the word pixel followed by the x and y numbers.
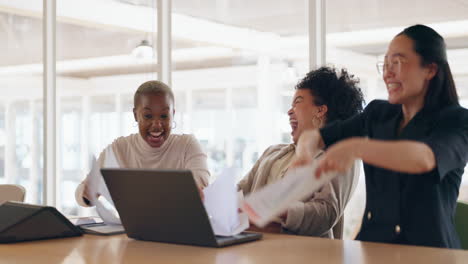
pixel 432 49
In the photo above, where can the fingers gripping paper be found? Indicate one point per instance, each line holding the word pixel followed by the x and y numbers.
pixel 100 195
pixel 272 200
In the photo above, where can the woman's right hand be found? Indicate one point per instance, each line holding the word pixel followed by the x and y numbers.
pixel 202 194
pixel 86 195
pixel 340 157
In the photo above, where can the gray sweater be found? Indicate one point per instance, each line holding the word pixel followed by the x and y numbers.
pixel 318 215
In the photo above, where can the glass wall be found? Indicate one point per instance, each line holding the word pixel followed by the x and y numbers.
pixel 96 51
pixel 247 59
pixel 21 114
pixel 358 33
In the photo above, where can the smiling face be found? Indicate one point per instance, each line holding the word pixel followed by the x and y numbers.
pixel 154 113
pixel 304 114
pixel 406 79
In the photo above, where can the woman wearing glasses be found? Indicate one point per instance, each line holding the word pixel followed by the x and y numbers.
pixel 414 146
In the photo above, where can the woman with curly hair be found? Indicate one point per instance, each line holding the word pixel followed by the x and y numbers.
pixel 322 97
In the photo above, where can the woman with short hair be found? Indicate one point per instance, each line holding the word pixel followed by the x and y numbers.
pixel 154 147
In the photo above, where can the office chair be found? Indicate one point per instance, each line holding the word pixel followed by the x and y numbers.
pixel 461 223
pixel 11 192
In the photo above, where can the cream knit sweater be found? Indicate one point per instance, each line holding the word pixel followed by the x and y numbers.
pixel 178 152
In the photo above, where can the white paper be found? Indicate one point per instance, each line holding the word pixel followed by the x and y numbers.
pixel 107 211
pixel 243 217
pixel 93 181
pixel 76 220
pixel 96 186
pixel 221 204
pixel 272 200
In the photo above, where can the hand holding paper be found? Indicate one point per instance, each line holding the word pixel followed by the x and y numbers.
pixel 272 200
pixel 97 189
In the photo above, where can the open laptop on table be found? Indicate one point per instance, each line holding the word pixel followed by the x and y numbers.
pixel 164 206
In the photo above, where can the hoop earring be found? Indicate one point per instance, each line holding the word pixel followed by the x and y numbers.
pixel 174 124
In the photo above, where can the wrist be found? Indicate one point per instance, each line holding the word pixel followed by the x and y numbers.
pixel 358 145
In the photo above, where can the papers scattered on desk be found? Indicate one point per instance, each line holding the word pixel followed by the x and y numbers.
pixel 96 185
pixel 272 200
pixel 222 203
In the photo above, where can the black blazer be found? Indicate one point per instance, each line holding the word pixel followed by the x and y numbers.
pixel 415 209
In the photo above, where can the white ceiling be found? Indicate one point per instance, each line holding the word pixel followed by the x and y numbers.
pixel 24 40
pixel 112 28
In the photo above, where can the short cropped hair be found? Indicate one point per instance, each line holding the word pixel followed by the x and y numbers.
pixel 153 87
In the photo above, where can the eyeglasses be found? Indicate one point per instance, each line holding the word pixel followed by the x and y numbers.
pixel 394 65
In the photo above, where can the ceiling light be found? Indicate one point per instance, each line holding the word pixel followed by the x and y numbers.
pixel 143 51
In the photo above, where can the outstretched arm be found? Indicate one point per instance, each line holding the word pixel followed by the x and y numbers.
pixel 405 156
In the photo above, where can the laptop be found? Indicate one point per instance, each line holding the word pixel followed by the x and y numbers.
pixel 164 206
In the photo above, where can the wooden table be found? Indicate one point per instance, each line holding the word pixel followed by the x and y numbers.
pixel 273 248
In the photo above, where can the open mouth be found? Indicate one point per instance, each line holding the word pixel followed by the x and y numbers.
pixel 155 139
pixel 294 124
pixel 393 87
pixel 156 135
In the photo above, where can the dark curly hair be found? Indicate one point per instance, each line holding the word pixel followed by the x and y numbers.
pixel 339 92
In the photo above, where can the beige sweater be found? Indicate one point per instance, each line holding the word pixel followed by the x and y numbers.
pixel 315 216
pixel 178 152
